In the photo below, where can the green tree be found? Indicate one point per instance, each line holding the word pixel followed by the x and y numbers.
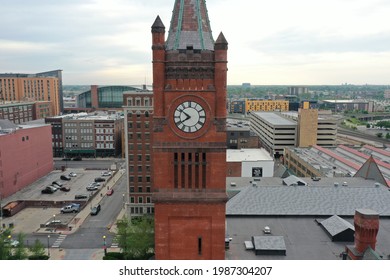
pixel 5 245
pixel 19 252
pixel 387 136
pixel 37 251
pixel 379 135
pixel 136 238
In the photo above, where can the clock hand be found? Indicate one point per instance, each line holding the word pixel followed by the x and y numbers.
pixel 187 116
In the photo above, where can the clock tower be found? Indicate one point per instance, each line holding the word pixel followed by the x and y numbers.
pixel 189 135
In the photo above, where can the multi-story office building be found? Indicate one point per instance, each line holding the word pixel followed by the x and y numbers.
pixel 46 86
pixel 275 132
pixel 349 105
pixel 314 127
pixel 297 90
pixel 257 105
pixel 239 135
pixel 138 111
pixel 23 112
pixel 237 107
pixel 86 135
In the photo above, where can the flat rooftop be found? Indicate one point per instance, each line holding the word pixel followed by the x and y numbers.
pixel 274 119
pixel 305 239
pixel 247 155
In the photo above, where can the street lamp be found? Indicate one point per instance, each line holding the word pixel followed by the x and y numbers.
pixel 104 245
pixel 48 246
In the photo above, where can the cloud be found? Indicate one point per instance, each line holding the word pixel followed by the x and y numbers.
pixel 298 42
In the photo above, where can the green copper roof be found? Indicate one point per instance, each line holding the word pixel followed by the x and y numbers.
pixel 190 26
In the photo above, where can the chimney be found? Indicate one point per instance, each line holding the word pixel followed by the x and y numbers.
pixel 366 224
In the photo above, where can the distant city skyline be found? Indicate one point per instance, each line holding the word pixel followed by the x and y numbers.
pixel 282 42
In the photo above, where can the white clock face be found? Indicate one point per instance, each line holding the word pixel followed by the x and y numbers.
pixel 189 116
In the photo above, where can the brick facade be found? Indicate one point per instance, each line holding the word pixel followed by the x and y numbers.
pixel 189 163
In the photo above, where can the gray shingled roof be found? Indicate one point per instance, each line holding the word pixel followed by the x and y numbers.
pixel 268 242
pixel 335 225
pixel 309 201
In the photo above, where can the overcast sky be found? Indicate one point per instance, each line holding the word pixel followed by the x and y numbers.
pixel 280 42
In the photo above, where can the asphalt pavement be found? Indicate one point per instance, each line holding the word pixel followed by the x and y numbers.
pixel 28 221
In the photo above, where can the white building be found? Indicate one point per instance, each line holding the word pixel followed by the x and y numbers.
pixel 249 163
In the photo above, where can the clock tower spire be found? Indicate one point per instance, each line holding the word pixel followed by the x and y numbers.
pixel 189 135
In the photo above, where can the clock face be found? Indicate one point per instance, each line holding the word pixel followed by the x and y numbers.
pixel 189 116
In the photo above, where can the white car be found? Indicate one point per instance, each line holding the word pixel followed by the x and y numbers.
pixel 72 174
pixel 92 188
pixel 106 173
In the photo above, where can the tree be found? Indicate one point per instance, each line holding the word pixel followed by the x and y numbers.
pixel 37 251
pixel 387 136
pixel 136 238
pixel 19 252
pixel 379 135
pixel 5 245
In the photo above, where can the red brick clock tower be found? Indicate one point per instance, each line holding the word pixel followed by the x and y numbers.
pixel 189 138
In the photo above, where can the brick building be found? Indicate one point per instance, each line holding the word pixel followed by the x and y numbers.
pixel 25 155
pixel 45 86
pixel 189 136
pixel 138 110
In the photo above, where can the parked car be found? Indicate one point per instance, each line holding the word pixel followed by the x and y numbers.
pixel 110 192
pixel 53 223
pixel 99 179
pixel 57 183
pixel 92 188
pixel 80 196
pixel 65 189
pixel 95 184
pixel 95 210
pixel 106 173
pixel 72 174
pixel 71 208
pixel 12 242
pixel 64 177
pixel 77 158
pixel 49 190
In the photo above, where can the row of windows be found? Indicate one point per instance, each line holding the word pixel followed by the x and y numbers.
pixel 141 210
pixel 140 168
pixel 139 135
pixel 104 137
pixel 105 146
pixel 140 199
pixel 139 147
pixel 138 125
pixel 140 179
pixel 140 189
pixel 104 130
pixel 139 157
pixel 139 102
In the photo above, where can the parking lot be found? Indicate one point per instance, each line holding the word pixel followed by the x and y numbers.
pixel 47 207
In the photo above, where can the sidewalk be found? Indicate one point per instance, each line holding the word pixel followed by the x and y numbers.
pixel 78 220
